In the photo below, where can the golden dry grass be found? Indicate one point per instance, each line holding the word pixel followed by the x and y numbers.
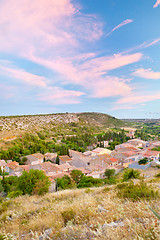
pixel 87 218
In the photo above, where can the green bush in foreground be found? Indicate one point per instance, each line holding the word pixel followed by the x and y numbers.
pixel 130 173
pixel 136 192
pixel 33 182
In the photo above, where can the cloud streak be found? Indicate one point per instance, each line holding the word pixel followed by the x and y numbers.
pixel 57 95
pixel 125 22
pixel 156 4
pixel 137 99
pixel 23 76
pixel 146 73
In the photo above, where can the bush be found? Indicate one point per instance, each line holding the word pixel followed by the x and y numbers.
pixel 65 182
pixel 110 181
pixel 77 175
pixel 68 215
pixel 136 192
pixel 10 183
pixel 14 194
pixel 33 182
pixel 89 182
pixel 109 172
pixel 143 161
pixel 157 175
pixel 130 173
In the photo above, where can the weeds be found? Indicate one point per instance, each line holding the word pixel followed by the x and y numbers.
pixel 137 191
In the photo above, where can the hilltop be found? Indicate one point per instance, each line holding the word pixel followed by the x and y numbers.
pixel 16 125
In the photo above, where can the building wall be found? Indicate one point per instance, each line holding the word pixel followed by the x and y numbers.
pixel 137 166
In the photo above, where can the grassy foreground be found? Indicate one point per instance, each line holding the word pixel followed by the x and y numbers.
pixel 95 213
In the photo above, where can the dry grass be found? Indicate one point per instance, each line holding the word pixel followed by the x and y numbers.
pixel 80 214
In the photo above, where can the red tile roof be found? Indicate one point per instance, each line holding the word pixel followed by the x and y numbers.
pixel 114 159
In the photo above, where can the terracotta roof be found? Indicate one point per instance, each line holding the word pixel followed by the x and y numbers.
pixel 59 175
pixel 65 158
pixel 98 150
pixel 49 167
pixel 14 163
pixel 114 159
pixel 150 153
pixel 38 155
pixel 66 166
pixel 25 167
pixel 51 179
pixel 83 170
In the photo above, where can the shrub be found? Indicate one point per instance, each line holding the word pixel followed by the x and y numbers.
pixel 143 161
pixel 68 215
pixel 130 173
pixel 65 182
pixel 157 175
pixel 89 182
pixel 77 175
pixel 33 182
pixel 10 183
pixel 110 181
pixel 14 194
pixel 136 192
pixel 109 172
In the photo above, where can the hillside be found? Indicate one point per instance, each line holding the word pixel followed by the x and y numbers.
pixel 95 213
pixel 100 119
pixel 16 125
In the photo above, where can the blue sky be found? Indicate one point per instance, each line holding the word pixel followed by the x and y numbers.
pixel 80 55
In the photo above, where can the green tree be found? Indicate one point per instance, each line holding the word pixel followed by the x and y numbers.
pixel 143 161
pixel 65 182
pixel 33 182
pixel 130 173
pixel 77 175
pixel 109 173
pixel 57 160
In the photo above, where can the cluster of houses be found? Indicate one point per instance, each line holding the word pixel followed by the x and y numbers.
pixel 91 163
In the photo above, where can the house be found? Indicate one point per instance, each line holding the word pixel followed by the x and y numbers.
pixel 114 161
pixel 66 167
pixel 35 159
pixel 64 159
pixel 48 168
pixel 79 159
pixel 52 187
pixel 120 156
pixel 51 157
pixel 99 151
pixel 104 161
pixel 2 165
pixel 138 143
pixel 9 168
pixel 14 169
pixel 100 174
pixel 152 155
pixel 59 175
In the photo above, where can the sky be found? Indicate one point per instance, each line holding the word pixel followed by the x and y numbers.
pixel 80 56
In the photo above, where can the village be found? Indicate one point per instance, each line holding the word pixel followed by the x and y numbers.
pixel 91 163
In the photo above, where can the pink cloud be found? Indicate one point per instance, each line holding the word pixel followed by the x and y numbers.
pixel 57 95
pixel 146 73
pixel 156 4
pixel 127 21
pixel 137 99
pixel 42 26
pixel 52 33
pixel 103 64
pixel 23 76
